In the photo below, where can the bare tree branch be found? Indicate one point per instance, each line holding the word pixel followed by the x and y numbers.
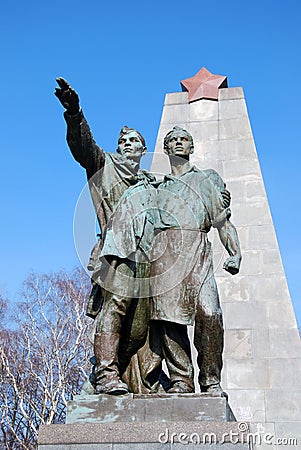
pixel 45 360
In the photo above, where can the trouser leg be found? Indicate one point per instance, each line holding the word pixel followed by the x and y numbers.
pixel 121 328
pixel 106 370
pixel 107 343
pixel 177 354
pixel 209 335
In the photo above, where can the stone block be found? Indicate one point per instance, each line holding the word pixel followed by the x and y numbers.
pixel 285 373
pixel 260 343
pixel 141 436
pixel 103 408
pixel 141 446
pixel 199 149
pixel 58 447
pixel 283 405
pixel 232 109
pixel 160 166
pixel 238 344
pixel 199 152
pixel 235 129
pixel 248 374
pixel 236 150
pixel 289 433
pixel 176 98
pixel 146 408
pixel 197 157
pixel 272 261
pixel 203 131
pixel 280 315
pixel 251 263
pixel 174 114
pixel 243 315
pixel 230 93
pixel 100 446
pixel 261 237
pixel 285 343
pixel 245 149
pixel 234 289
pixel 230 150
pixel 263 436
pixel 203 110
pixel 247 405
pixel 237 189
pixel 215 151
pixel 251 213
pixel 217 165
pixel 157 411
pixel 76 447
pixel 255 190
pixel 198 409
pixel 243 235
pixel 224 446
pixel 245 170
pixel 271 287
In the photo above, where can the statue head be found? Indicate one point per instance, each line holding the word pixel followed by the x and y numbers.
pixel 131 143
pixel 178 142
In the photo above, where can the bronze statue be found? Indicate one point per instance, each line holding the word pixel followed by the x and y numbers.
pixel 109 176
pixel 171 229
pixel 190 201
pixel 143 298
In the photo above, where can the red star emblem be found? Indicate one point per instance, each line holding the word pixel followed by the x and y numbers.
pixel 203 85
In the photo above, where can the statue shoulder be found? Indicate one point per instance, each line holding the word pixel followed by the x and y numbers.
pixel 215 178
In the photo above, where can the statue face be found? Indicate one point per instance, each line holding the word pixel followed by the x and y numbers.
pixel 179 144
pixel 131 146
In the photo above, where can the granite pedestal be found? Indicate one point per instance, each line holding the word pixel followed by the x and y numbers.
pixel 145 422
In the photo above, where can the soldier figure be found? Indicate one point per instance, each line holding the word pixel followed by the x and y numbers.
pixel 109 176
pixel 190 202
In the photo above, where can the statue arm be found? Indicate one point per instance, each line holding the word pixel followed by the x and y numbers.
pixel 82 144
pixel 221 213
pixel 220 185
pixel 79 136
pixel 229 238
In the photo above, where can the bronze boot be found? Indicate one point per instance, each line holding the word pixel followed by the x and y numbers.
pixel 106 370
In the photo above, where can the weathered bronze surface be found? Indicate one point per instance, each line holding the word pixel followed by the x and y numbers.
pixel 153 272
pixel 121 321
pixel 179 213
pixel 190 202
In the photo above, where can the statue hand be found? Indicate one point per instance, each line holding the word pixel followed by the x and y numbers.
pixel 67 96
pixel 226 198
pixel 232 264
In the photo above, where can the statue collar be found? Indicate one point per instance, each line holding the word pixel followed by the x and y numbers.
pixel 192 168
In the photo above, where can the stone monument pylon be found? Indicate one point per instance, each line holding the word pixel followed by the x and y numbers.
pixel 262 355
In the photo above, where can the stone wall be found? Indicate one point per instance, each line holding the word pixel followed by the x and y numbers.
pixel 262 356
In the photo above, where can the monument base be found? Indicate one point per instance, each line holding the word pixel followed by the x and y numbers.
pixel 103 422
pixel 142 436
pixel 148 408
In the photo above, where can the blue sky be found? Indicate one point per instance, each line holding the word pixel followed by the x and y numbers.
pixel 122 58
